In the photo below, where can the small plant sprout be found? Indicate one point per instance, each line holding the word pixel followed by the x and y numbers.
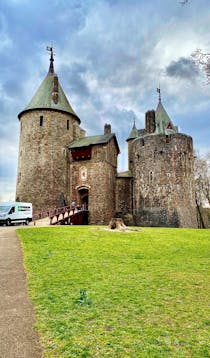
pixel 83 299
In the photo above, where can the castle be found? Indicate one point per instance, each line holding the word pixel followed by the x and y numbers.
pixel 59 164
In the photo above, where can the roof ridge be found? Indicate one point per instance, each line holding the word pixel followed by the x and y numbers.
pixel 93 140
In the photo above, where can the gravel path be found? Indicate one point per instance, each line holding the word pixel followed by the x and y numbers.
pixel 18 339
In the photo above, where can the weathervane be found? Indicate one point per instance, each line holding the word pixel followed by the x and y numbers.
pixel 158 91
pixel 50 50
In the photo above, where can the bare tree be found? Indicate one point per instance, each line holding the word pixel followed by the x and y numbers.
pixel 202 60
pixel 202 180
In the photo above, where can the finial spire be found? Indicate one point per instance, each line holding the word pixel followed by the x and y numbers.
pixel 159 97
pixel 51 68
pixel 134 122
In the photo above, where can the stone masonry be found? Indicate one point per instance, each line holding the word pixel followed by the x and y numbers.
pixel 59 164
pixel 98 176
pixel 163 181
pixel 42 168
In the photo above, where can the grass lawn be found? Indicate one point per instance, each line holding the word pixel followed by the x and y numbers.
pixel 135 294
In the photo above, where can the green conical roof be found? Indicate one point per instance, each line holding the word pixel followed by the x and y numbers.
pixel 133 134
pixel 163 122
pixel 50 95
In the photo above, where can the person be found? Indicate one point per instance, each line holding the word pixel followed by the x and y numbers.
pixel 73 205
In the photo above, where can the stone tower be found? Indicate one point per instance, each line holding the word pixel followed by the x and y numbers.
pixel 47 125
pixel 162 168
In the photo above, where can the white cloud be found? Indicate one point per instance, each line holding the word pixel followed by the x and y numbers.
pixel 6 42
pixel 110 56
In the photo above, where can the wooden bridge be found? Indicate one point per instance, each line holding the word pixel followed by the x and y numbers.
pixel 65 215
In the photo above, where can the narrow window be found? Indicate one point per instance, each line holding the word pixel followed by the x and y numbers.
pixel 64 152
pixel 41 119
pixel 151 176
pixel 67 124
pixel 155 153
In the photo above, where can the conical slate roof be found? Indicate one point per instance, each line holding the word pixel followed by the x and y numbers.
pixel 50 95
pixel 163 122
pixel 134 133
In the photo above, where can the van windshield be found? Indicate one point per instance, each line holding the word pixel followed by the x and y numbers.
pixel 4 209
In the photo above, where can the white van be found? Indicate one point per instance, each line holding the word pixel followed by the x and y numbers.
pixel 14 213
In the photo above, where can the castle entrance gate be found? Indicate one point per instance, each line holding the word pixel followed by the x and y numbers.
pixel 83 197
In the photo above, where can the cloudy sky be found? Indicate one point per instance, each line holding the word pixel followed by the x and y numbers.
pixel 110 57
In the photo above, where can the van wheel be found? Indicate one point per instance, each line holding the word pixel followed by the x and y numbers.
pixel 27 221
pixel 8 222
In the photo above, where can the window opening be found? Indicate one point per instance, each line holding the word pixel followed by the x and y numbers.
pixel 67 124
pixel 41 120
pixel 12 210
pixel 151 176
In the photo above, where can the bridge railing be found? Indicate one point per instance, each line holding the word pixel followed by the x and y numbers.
pixel 56 212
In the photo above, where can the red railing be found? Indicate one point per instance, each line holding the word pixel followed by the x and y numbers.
pixel 64 215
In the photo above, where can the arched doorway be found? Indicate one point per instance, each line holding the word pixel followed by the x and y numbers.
pixel 83 197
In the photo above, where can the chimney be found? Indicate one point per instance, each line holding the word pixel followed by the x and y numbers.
pixel 107 128
pixel 150 125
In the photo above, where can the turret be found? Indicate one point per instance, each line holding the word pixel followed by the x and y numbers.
pixel 47 125
pixel 133 135
pixel 50 95
pixel 163 177
pixel 163 124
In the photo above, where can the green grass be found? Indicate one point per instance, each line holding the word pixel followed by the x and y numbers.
pixel 108 294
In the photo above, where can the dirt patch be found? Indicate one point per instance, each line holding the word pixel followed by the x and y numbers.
pixel 18 338
pixel 127 229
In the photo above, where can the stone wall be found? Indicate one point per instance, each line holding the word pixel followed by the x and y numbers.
pixel 98 176
pixel 42 165
pixel 203 217
pixel 130 154
pixel 124 195
pixel 164 181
